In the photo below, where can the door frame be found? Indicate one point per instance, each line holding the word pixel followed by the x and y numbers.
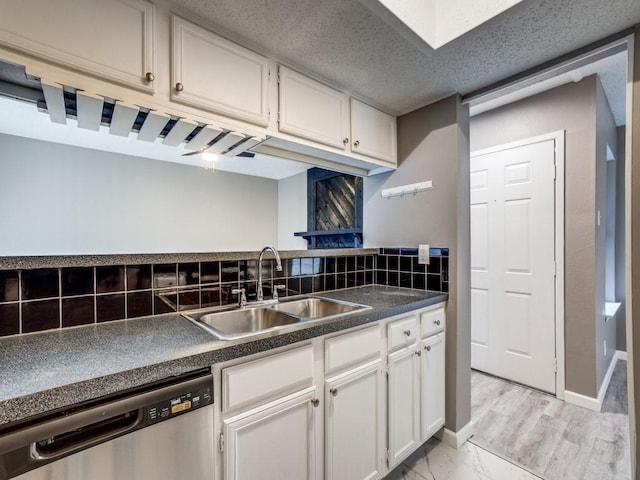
pixel 559 214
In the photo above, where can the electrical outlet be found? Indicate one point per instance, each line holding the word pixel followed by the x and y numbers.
pixel 423 254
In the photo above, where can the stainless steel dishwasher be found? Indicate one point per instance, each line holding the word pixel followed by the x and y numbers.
pixel 161 433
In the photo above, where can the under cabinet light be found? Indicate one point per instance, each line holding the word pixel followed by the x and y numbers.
pixel 209 160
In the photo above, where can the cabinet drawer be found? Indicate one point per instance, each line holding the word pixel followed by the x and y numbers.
pixel 267 378
pixel 351 349
pixel 402 332
pixel 432 321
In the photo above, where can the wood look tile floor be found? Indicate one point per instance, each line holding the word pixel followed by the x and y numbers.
pixel 437 461
pixel 550 438
pixel 523 434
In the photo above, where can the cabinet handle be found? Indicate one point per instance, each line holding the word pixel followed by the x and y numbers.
pixel 333 391
pixel 149 77
pixel 437 322
pixel 345 141
pixel 315 402
pixel 407 333
pixel 418 353
pixel 179 87
pixel 356 143
pixel 427 348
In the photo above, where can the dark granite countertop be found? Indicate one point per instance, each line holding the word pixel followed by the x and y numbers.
pixel 44 372
pixel 57 261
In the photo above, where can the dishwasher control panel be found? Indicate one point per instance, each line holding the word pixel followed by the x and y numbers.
pixel 178 404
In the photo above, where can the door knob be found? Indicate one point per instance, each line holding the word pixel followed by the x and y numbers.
pixel 427 348
pixel 179 87
pixel 333 391
pixel 407 333
pixel 437 322
pixel 149 77
pixel 356 143
pixel 315 402
pixel 418 353
pixel 345 141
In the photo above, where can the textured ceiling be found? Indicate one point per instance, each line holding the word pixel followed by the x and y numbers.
pixel 344 42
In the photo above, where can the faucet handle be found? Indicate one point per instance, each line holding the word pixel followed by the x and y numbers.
pixel 243 296
pixel 275 290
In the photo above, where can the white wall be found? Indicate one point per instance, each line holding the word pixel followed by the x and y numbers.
pixel 438 22
pixel 418 15
pixel 456 17
pixel 62 200
pixel 292 212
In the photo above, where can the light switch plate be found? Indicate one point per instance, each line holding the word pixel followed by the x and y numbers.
pixel 423 254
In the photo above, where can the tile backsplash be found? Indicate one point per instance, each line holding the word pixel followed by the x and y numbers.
pixel 399 267
pixel 38 299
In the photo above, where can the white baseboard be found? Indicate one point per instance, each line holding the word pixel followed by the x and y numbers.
pixel 620 355
pixel 455 439
pixel 582 401
pixel 591 403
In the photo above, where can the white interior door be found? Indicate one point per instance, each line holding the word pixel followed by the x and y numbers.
pixel 513 263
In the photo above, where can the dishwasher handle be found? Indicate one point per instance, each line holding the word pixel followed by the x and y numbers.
pixel 58 446
pixel 29 437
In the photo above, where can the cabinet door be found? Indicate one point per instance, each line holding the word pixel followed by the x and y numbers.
pixel 373 133
pixel 274 442
pixel 311 110
pixel 215 74
pixel 112 39
pixel 432 385
pixel 354 419
pixel 404 398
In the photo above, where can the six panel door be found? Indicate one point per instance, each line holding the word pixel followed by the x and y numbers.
pixel 513 263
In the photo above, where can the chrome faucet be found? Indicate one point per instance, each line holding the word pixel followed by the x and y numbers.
pixel 260 294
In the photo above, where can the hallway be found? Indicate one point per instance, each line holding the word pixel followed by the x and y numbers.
pixel 550 438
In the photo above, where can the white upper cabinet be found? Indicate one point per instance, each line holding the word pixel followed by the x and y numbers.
pixel 107 39
pixel 311 110
pixel 373 133
pixel 210 72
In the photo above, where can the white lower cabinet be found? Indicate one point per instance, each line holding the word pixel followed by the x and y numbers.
pixel 354 422
pixel 404 403
pixel 432 372
pixel 274 442
pixel 346 407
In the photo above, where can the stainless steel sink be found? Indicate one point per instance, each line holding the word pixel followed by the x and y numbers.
pixel 241 323
pixel 248 321
pixel 316 307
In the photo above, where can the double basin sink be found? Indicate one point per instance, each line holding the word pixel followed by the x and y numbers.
pixel 251 320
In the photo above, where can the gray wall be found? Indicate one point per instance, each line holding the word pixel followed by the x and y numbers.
pixel 621 335
pixel 605 135
pixel 633 251
pixel 62 200
pixel 433 144
pixel 572 108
